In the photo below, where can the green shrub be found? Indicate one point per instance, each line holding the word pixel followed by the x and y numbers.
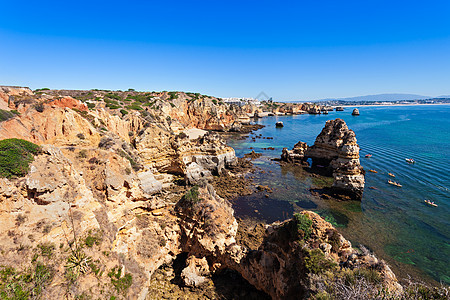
pixel 214 101
pixel 303 226
pixel 135 106
pixel 6 115
pixel 112 96
pixel 120 283
pixel 172 95
pixel 191 196
pixel 15 157
pixel 124 112
pixel 46 249
pixel 90 105
pixel 93 238
pixel 24 285
pixel 315 262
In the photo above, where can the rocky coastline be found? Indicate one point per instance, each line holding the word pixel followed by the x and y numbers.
pixel 121 193
pixel 336 153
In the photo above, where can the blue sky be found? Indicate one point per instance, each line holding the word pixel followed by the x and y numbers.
pixel 291 50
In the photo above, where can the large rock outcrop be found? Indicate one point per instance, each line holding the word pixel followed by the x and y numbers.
pixel 196 159
pixel 336 151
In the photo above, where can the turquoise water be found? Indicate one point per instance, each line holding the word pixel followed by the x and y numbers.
pixel 394 222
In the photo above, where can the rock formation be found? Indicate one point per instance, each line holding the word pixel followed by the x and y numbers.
pixel 100 209
pixel 336 150
pixel 296 155
pixel 355 112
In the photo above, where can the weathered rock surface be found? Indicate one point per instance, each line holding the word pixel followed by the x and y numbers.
pixel 296 155
pixel 337 151
pixel 101 181
pixel 355 112
pixel 336 147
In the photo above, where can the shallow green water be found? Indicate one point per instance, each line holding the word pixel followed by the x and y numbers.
pixel 394 222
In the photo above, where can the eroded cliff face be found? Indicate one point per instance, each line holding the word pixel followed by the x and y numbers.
pixel 337 148
pixel 103 196
pixel 336 151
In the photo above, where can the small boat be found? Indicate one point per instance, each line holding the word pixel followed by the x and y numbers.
pixel 390 174
pixel 368 155
pixel 394 183
pixel 373 171
pixel 410 160
pixel 430 203
pixel 372 188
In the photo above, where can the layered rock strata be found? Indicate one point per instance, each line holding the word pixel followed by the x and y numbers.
pixel 336 151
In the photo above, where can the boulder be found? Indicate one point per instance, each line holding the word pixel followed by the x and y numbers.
pixel 355 112
pixel 149 184
pixel 196 271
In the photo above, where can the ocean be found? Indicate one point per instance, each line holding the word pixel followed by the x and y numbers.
pixel 394 222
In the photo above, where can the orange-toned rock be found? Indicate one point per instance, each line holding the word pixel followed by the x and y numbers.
pixel 69 102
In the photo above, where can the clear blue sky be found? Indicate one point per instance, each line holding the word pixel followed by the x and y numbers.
pixel 291 50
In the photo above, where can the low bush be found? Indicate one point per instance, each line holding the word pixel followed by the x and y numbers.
pixel 135 106
pixel 303 226
pixel 24 284
pixel 315 262
pixel 6 115
pixel 16 156
pixel 191 196
pixel 120 283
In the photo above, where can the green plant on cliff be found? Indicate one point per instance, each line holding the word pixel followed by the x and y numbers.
pixel 16 156
pixel 191 196
pixel 120 283
pixel 28 284
pixel 315 262
pixel 6 115
pixel 303 226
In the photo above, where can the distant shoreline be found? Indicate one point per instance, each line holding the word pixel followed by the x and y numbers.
pixel 409 104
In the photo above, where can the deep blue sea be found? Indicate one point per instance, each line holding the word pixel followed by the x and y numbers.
pixel 394 222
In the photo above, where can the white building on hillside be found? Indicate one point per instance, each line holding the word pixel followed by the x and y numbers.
pixel 242 101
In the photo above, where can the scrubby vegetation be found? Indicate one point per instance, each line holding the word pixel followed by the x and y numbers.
pixel 315 262
pixel 18 285
pixel 191 196
pixel 367 284
pixel 303 226
pixel 16 156
pixel 6 114
pixel 120 283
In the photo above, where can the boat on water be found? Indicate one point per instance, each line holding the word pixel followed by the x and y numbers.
pixel 394 183
pixel 368 155
pixel 372 188
pixel 410 160
pixel 430 203
pixel 390 174
pixel 373 171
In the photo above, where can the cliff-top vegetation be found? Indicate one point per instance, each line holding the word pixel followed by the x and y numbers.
pixel 15 157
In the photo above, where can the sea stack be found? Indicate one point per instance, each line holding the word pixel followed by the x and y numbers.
pixel 279 124
pixel 336 148
pixel 355 112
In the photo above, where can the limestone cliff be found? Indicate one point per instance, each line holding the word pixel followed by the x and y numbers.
pixel 336 151
pixel 109 199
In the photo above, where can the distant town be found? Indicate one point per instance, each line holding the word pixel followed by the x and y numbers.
pixel 257 102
